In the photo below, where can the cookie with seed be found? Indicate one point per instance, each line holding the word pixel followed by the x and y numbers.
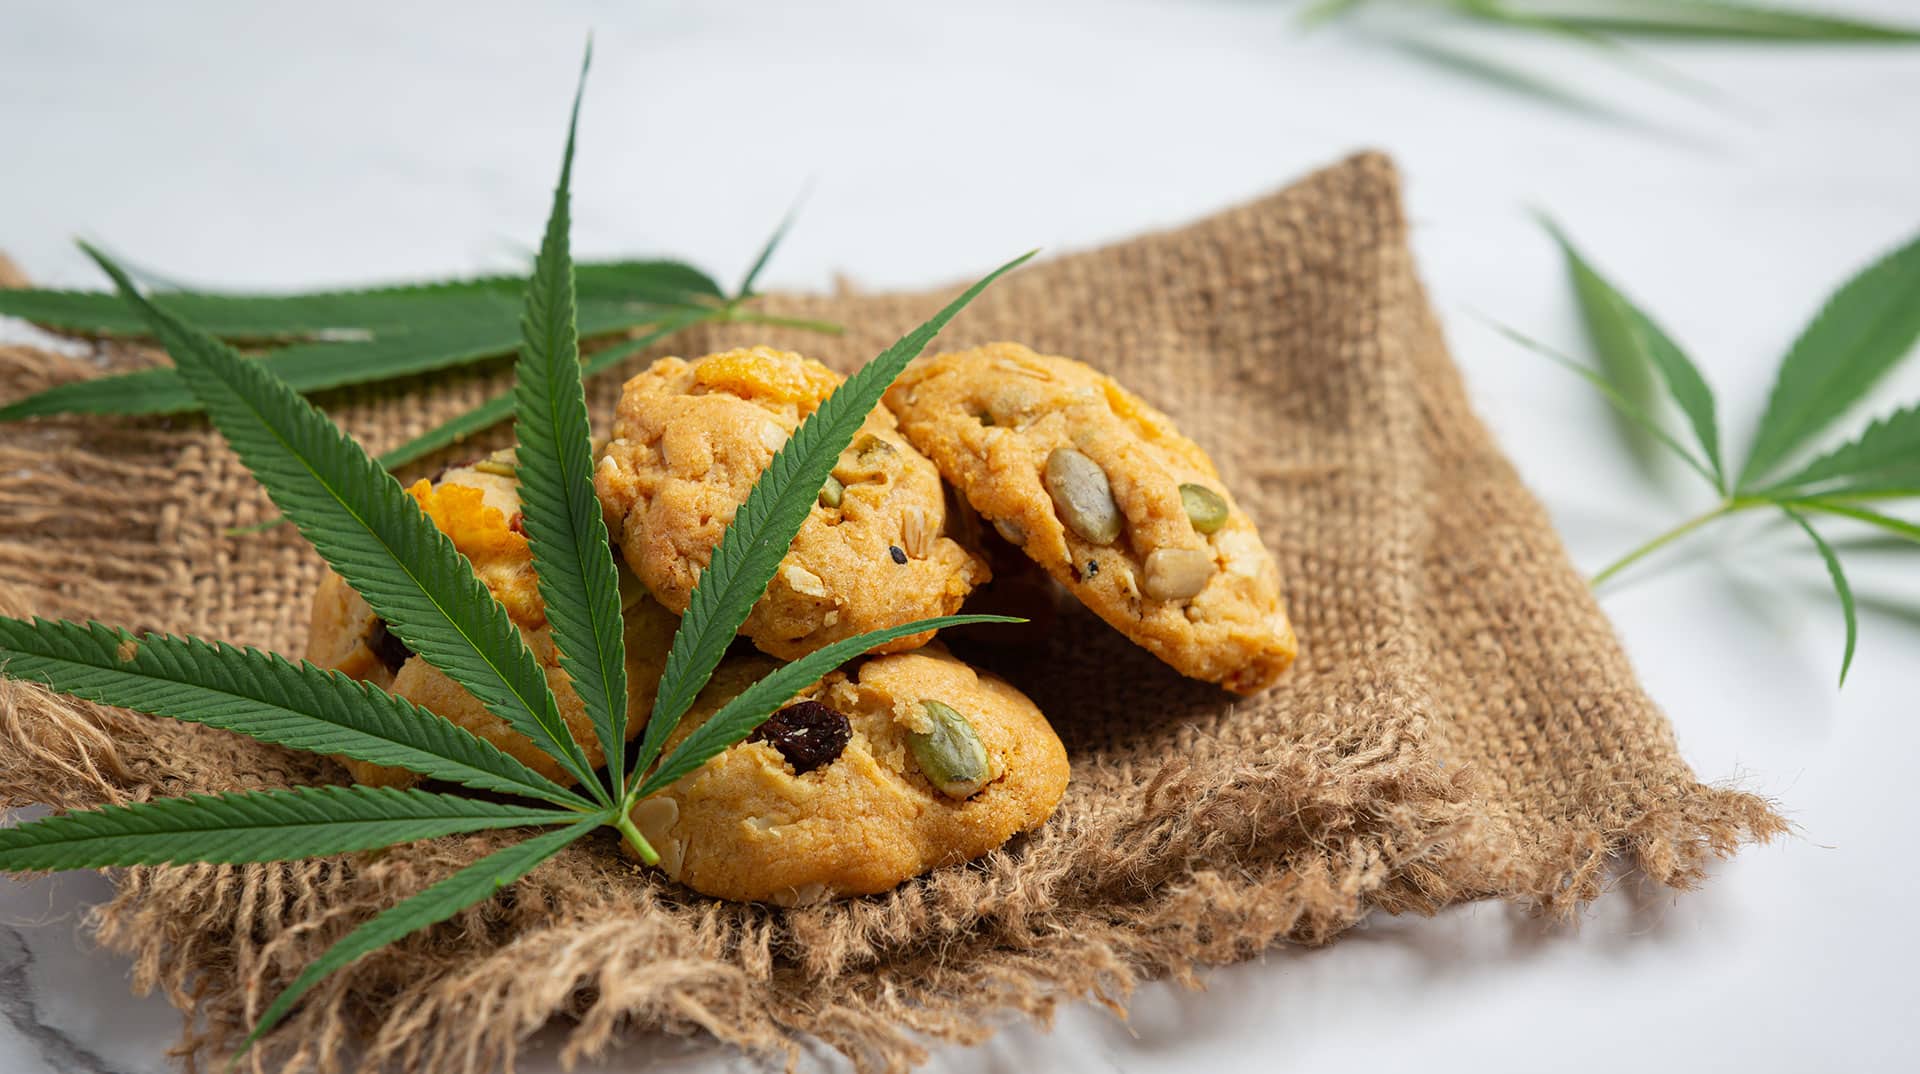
pixel 876 774
pixel 478 507
pixel 1101 490
pixel 689 441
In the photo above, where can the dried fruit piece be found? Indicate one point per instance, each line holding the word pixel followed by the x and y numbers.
pixel 807 733
pixel 949 753
pixel 1206 509
pixel 1082 496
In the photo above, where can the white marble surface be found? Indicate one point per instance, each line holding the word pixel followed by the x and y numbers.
pixel 269 145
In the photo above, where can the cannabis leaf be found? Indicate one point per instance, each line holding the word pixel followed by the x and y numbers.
pixel 561 514
pixel 754 543
pixel 377 538
pixel 319 315
pixel 1860 334
pixel 1885 459
pixel 1898 527
pixel 368 530
pixel 1840 586
pixel 450 329
pixel 501 407
pixel 1712 19
pixel 264 696
pixel 759 265
pixel 1604 27
pixel 442 900
pixel 1630 344
pixel 305 822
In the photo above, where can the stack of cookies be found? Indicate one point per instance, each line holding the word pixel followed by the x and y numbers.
pixel 909 758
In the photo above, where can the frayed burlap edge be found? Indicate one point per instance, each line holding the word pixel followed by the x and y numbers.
pixel 1216 861
pixel 474 1012
pixel 245 935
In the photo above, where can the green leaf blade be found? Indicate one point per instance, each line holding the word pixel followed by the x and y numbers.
pixel 762 529
pixel 371 532
pixel 251 826
pixel 738 717
pixel 1627 409
pixel 1714 20
pixel 501 407
pixel 430 907
pixel 572 556
pixel 1630 343
pixel 1321 12
pixel 759 265
pixel 261 695
pixel 239 317
pixel 1884 457
pixel 1840 586
pixel 1899 527
pixel 449 338
pixel 1859 335
pixel 145 391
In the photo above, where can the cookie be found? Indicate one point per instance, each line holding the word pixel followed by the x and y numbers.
pixel 689 441
pixel 345 635
pixel 1101 490
pixel 861 783
pixel 478 508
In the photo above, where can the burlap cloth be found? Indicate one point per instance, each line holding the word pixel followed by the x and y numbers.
pixel 1461 724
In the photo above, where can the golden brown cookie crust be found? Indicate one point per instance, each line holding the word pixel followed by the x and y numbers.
pixel 344 634
pixel 746 826
pixel 689 441
pixel 990 418
pixel 478 510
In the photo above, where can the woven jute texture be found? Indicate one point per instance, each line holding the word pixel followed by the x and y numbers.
pixel 1461 723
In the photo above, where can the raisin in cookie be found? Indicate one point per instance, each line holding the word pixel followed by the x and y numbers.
pixel 689 441
pixel 874 775
pixel 1101 490
pixel 478 507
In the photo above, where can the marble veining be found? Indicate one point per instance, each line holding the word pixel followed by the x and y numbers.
pixel 20 1007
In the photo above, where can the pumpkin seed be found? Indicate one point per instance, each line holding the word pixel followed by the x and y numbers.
pixel 1206 509
pixel 831 492
pixel 1082 496
pixel 502 463
pixel 950 753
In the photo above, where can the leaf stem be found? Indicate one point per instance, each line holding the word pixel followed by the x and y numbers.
pixel 623 820
pixel 1725 508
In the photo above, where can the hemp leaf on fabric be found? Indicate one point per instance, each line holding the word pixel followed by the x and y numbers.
pixel 1427 31
pixel 322 340
pixel 375 536
pixel 1860 333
